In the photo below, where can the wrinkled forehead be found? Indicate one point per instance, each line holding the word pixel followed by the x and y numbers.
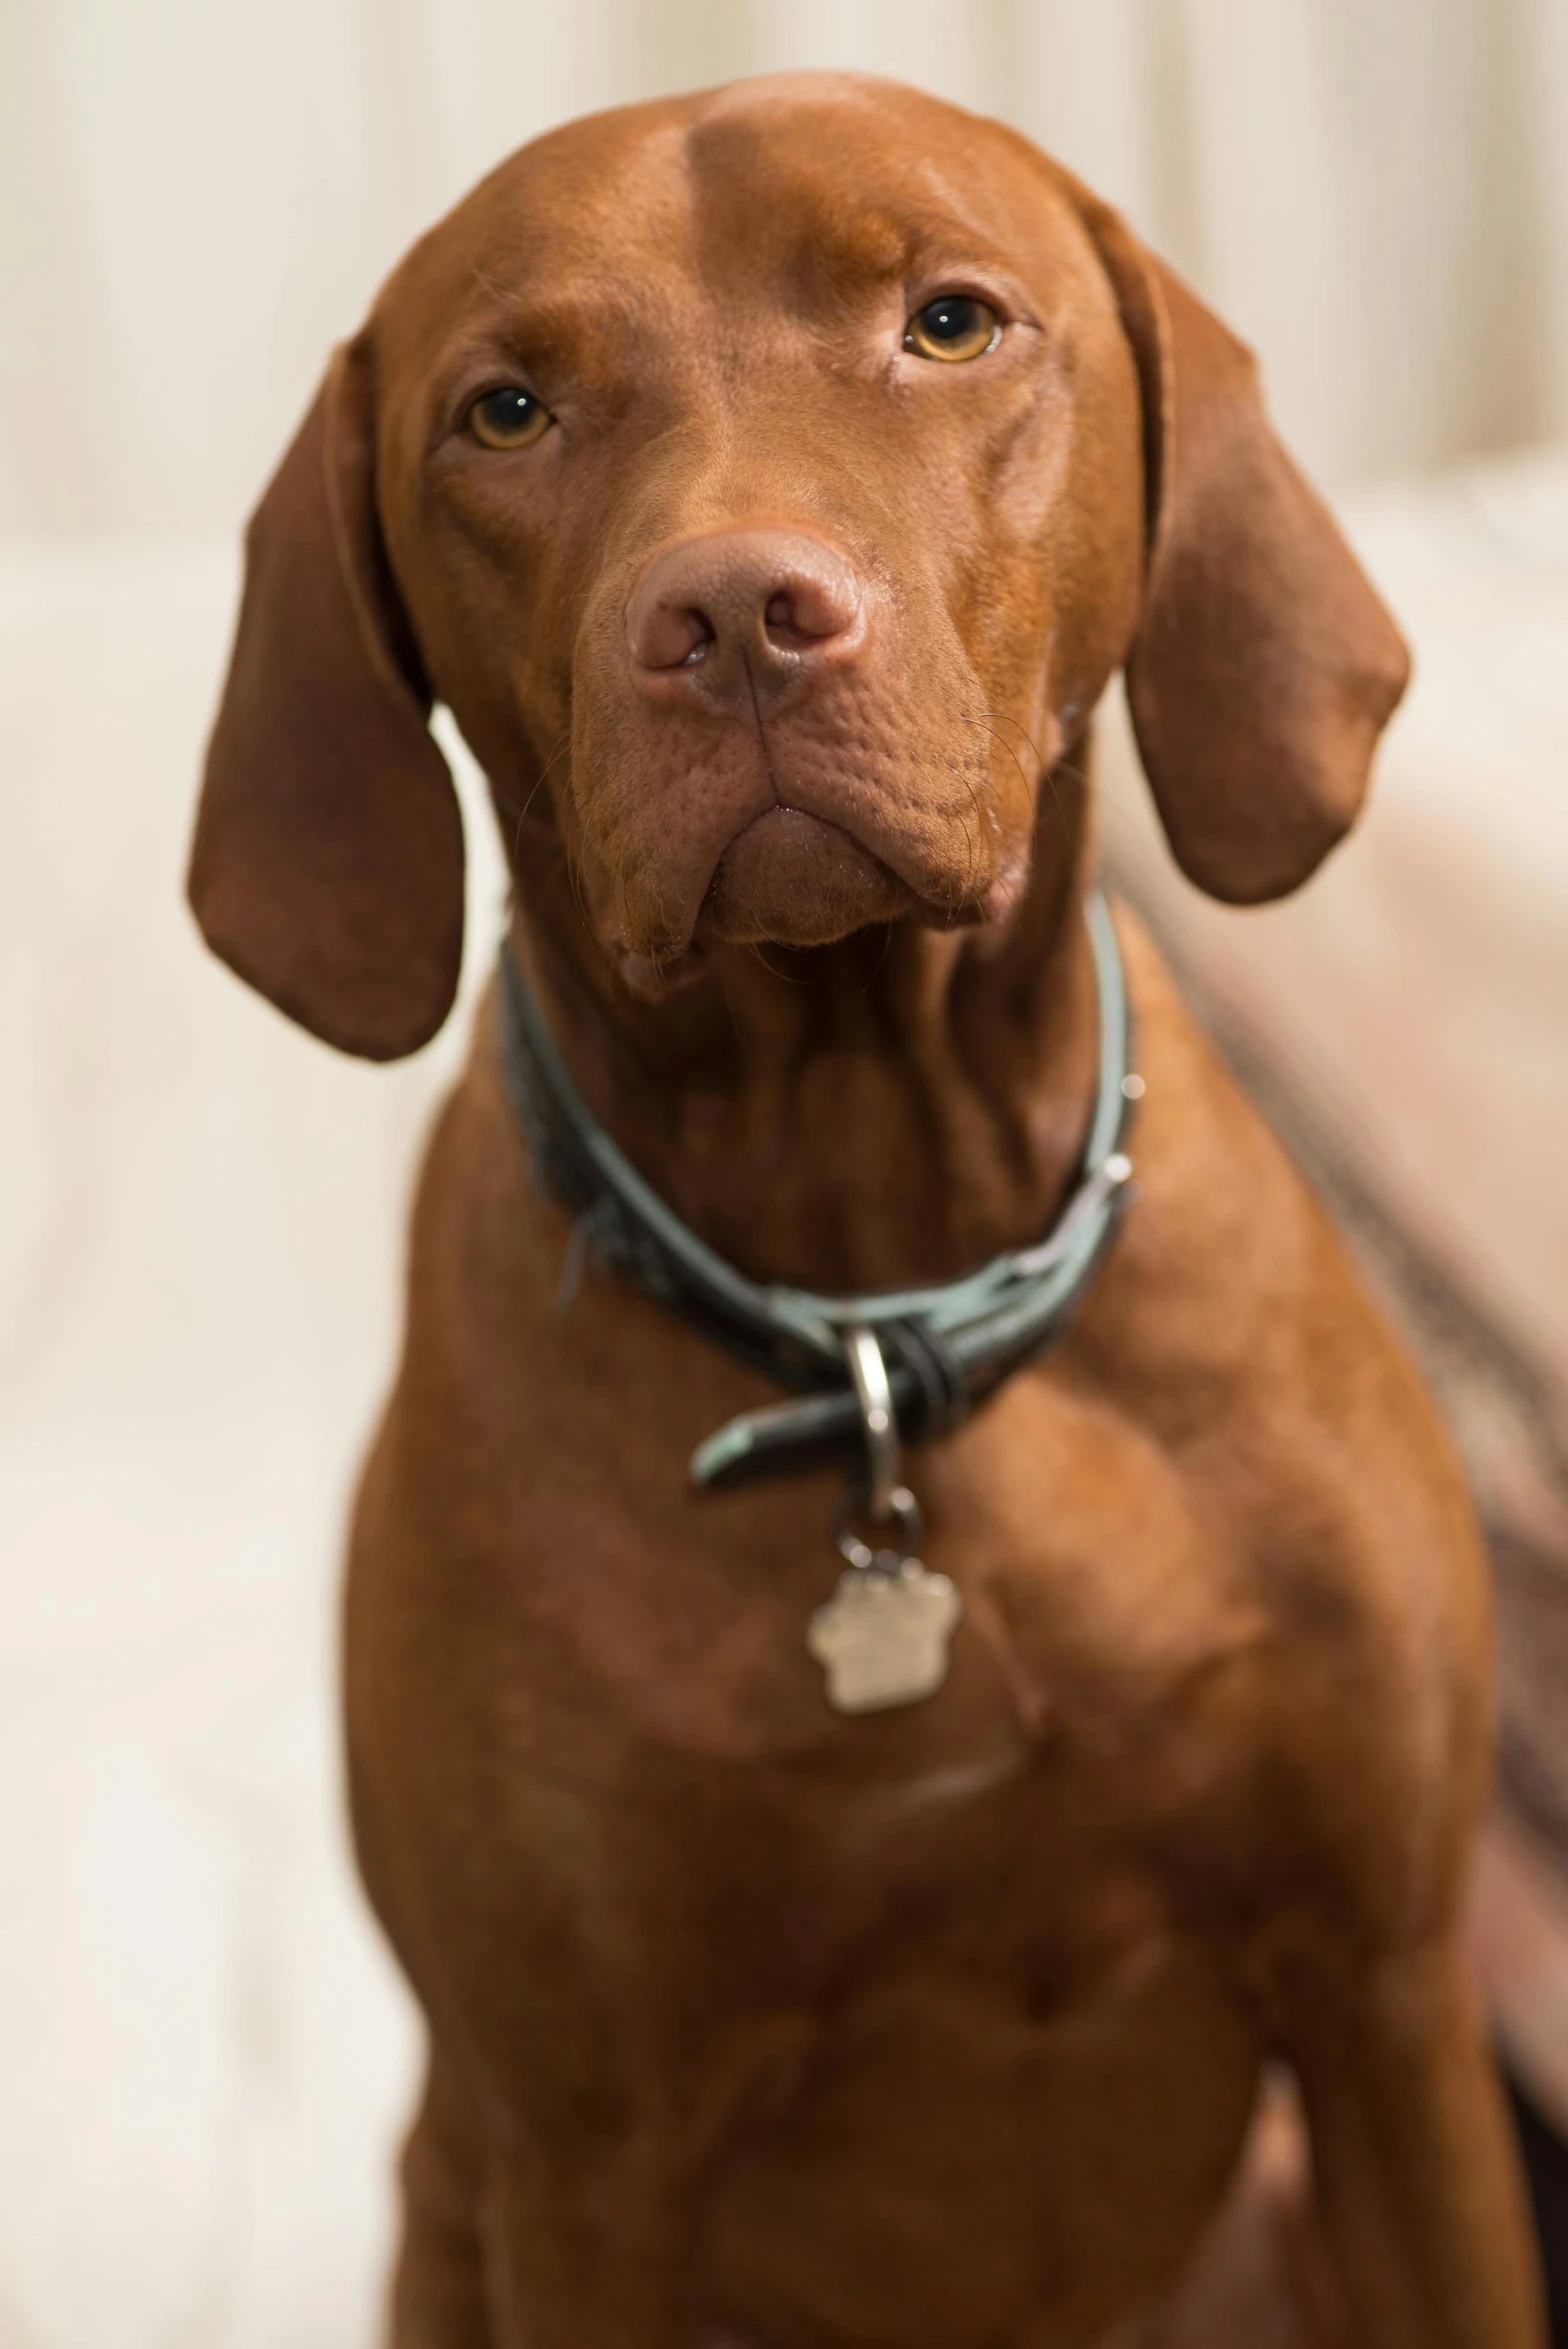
pixel 779 197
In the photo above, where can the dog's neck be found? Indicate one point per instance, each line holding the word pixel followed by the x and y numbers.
pixel 890 1110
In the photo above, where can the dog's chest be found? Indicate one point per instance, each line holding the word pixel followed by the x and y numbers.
pixel 1081 1598
pixel 673 1681
pixel 974 2016
pixel 936 1944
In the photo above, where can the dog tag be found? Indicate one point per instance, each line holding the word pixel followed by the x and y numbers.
pixel 882 1638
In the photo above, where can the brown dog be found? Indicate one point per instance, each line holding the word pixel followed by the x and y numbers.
pixel 770 482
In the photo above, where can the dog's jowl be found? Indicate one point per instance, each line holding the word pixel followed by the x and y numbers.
pixel 916 1662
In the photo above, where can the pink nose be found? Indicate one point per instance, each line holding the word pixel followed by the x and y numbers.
pixel 743 613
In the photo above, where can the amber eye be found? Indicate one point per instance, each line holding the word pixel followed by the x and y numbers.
pixel 509 419
pixel 954 326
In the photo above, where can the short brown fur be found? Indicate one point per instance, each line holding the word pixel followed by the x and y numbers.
pixel 945 2028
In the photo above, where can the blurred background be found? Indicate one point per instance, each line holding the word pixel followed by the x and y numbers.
pixel 204 2054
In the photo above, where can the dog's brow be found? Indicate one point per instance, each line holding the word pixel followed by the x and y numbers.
pixel 858 250
pixel 889 244
pixel 531 331
pixel 532 318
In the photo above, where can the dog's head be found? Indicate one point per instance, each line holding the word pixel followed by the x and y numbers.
pixel 769 482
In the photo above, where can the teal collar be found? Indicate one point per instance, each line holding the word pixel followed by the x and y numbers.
pixel 945 1346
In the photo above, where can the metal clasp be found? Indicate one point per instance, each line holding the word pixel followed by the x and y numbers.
pixel 878 1421
pixel 894 1555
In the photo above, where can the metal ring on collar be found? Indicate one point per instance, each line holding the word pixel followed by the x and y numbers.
pixel 857 1553
pixel 878 1420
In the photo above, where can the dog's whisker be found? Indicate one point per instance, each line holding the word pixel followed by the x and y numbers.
pixel 521 813
pixel 784 977
pixel 577 881
pixel 1046 771
pixel 1023 776
pixel 876 970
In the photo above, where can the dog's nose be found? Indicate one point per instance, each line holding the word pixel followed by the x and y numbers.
pixel 742 613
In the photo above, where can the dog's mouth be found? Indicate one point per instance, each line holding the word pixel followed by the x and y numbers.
pixel 789 878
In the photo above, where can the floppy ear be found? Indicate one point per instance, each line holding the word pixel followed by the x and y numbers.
pixel 327 867
pixel 1265 667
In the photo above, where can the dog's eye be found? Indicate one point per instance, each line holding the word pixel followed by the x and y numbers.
pixel 954 326
pixel 508 419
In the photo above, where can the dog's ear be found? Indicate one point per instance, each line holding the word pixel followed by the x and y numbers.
pixel 1264 667
pixel 327 866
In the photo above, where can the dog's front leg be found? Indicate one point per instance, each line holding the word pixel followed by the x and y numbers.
pixel 439 2298
pixel 608 2272
pixel 600 2258
pixel 563 2214
pixel 1416 2178
pixel 596 2184
pixel 521 2256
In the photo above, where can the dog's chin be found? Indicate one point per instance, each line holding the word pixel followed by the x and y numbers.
pixel 791 879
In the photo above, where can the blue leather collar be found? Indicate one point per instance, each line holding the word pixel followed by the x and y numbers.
pixel 946 1346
